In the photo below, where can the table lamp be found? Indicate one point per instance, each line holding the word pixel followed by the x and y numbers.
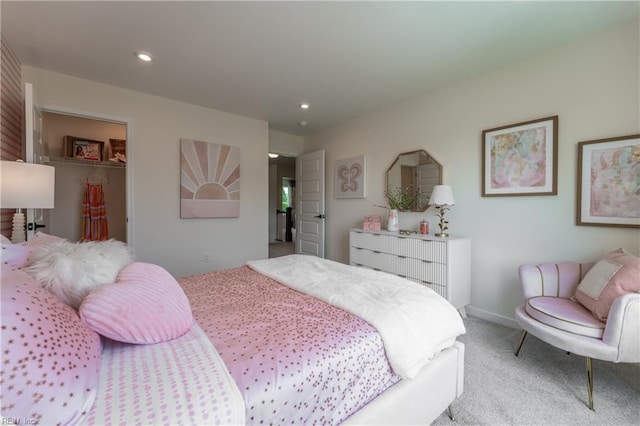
pixel 25 185
pixel 442 197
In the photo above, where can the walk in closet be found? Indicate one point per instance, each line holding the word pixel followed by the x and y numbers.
pixel 85 152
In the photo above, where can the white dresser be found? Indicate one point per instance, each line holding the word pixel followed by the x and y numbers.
pixel 442 264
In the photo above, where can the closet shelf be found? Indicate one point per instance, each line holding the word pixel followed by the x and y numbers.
pixel 75 162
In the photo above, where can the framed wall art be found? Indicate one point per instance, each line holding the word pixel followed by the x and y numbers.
pixel 521 159
pixel 209 180
pixel 609 182
pixel 350 178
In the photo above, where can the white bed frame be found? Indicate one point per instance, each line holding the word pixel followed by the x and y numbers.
pixel 420 400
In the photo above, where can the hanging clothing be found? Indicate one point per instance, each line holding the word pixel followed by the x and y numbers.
pixel 94 214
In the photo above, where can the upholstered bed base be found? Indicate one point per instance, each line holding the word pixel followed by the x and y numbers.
pixel 420 400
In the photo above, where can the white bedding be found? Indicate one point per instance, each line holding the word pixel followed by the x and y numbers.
pixel 415 322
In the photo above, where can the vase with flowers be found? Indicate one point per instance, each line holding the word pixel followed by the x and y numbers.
pixel 399 199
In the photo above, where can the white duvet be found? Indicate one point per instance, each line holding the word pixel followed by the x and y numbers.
pixel 415 322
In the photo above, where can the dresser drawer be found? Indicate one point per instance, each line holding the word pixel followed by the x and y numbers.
pixel 417 248
pixel 374 242
pixel 372 259
pixel 441 264
pixel 422 271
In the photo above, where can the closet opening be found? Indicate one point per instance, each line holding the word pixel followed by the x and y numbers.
pixel 90 156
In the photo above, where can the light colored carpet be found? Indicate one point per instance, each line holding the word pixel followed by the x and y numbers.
pixel 542 386
pixel 277 249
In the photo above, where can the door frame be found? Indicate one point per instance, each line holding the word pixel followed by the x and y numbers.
pixel 128 123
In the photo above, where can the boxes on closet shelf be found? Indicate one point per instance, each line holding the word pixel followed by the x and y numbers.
pixel 83 148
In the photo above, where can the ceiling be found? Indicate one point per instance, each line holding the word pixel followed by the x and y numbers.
pixel 262 59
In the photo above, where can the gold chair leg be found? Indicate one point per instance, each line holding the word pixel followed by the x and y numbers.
pixel 450 413
pixel 587 362
pixel 522 336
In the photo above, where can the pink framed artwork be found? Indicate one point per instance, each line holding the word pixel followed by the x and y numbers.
pixel 209 180
pixel 521 159
pixel 609 182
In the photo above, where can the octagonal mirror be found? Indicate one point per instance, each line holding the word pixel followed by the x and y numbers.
pixel 414 171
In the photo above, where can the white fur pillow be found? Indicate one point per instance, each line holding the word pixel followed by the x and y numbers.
pixel 72 270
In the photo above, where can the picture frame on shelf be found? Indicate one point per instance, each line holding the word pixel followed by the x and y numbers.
pixel 607 182
pixel 83 148
pixel 521 159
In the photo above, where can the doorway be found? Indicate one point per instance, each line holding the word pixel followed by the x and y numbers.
pixel 282 202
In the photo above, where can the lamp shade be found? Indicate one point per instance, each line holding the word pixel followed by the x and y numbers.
pixel 442 196
pixel 26 185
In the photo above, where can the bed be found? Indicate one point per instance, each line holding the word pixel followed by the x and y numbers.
pixel 277 341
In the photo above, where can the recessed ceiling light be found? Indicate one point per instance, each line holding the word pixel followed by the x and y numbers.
pixel 304 105
pixel 272 155
pixel 144 56
pixel 302 123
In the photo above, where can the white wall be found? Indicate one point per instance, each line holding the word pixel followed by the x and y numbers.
pixel 159 235
pixel 285 144
pixel 592 85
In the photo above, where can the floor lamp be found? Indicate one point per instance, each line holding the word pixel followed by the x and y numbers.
pixel 25 186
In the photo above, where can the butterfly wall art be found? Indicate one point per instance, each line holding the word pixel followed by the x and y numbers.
pixel 350 178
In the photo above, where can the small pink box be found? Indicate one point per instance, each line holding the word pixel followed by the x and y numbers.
pixel 371 226
pixel 372 218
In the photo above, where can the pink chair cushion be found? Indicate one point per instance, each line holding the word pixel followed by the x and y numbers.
pixel 145 305
pixel 564 314
pixel 615 274
pixel 50 359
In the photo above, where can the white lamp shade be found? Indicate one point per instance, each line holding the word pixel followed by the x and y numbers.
pixel 442 196
pixel 26 185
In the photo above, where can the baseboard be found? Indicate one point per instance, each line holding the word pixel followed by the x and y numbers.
pixel 490 316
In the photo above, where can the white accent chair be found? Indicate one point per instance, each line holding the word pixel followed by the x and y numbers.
pixel 552 316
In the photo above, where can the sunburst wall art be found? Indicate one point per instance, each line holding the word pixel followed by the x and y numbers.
pixel 209 180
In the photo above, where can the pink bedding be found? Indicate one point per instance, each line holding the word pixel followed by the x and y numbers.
pixel 294 358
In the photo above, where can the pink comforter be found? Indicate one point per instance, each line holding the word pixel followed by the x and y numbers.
pixel 295 358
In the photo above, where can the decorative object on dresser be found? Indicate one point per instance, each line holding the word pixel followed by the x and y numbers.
pixel 443 265
pixel 371 223
pixel 608 173
pixel 393 223
pixel 442 197
pixel 25 185
pixel 521 159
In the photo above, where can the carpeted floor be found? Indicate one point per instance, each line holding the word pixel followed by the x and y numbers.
pixel 542 386
pixel 280 248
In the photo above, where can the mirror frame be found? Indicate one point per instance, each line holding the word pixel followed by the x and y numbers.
pixel 398 158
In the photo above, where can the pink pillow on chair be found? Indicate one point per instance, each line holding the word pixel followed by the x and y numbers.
pixel 617 273
pixel 145 305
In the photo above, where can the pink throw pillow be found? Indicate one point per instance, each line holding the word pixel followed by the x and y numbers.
pixel 50 359
pixel 145 305
pixel 617 273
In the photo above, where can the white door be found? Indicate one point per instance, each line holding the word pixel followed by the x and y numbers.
pixel 310 209
pixel 33 146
